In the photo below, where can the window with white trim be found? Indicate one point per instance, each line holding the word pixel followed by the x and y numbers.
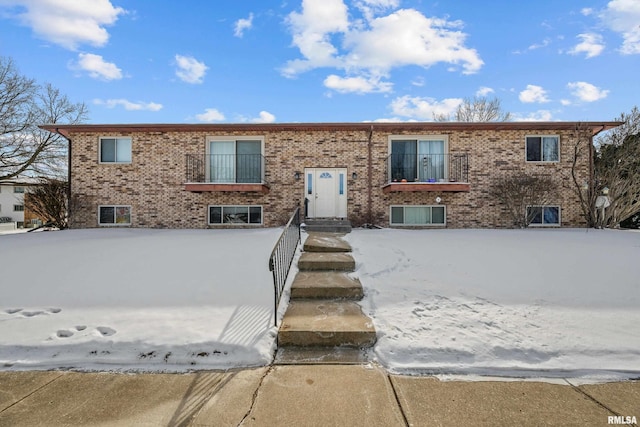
pixel 235 159
pixel 543 148
pixel 114 215
pixel 419 158
pixel 115 150
pixel 418 215
pixel 18 190
pixel 244 214
pixel 18 208
pixel 543 216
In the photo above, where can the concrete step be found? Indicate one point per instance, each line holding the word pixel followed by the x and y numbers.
pixel 325 242
pixel 328 225
pixel 321 356
pixel 326 261
pixel 325 284
pixel 326 323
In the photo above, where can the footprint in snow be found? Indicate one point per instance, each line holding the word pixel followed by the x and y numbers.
pixel 105 331
pixel 55 310
pixel 63 333
pixel 13 310
pixel 80 328
pixel 32 313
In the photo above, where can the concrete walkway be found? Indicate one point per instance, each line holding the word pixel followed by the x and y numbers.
pixel 316 395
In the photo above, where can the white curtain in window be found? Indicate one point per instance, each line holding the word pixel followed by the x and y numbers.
pixel 431 160
pixel 550 149
pixel 417 215
pixel 123 150
pixel 222 161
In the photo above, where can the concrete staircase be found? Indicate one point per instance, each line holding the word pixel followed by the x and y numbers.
pixel 323 322
pixel 327 225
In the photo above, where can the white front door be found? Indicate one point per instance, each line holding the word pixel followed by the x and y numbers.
pixel 326 192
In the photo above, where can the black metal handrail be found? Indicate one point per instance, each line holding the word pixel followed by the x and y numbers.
pixel 225 168
pixel 282 257
pixel 453 167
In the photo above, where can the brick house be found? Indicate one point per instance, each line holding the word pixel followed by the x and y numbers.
pixel 434 174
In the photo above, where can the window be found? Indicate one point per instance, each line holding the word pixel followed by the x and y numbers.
pixel 419 159
pixel 115 150
pixel 18 189
pixel 237 160
pixel 418 215
pixel 235 215
pixel 18 208
pixel 543 148
pixel 114 215
pixel 543 215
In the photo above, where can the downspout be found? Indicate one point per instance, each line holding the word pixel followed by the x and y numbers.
pixel 369 175
pixel 68 178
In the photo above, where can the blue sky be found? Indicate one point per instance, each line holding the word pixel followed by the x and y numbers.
pixel 150 61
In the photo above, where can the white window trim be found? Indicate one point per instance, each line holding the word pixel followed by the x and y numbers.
pixel 559 224
pixel 537 162
pixel 223 224
pixel 114 224
pixel 444 224
pixel 428 137
pixel 116 162
pixel 234 138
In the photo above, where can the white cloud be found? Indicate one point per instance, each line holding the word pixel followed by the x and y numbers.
pixel 622 16
pixel 210 115
pixel 68 23
pixel 190 70
pixel 587 92
pixel 535 116
pixel 532 94
pixel 242 25
pixel 591 45
pixel 327 37
pixel 356 84
pixel 97 67
pixel 565 102
pixel 484 91
pixel 423 108
pixel 586 11
pixel 264 117
pixel 128 105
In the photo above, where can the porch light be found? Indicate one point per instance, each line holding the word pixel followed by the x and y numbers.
pixel 605 190
pixel 296 175
pixel 354 176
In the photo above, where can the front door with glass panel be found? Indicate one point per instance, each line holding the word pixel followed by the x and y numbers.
pixel 326 192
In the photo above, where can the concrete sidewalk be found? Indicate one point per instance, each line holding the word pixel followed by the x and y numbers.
pixel 311 395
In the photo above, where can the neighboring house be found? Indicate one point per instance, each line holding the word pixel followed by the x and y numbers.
pixel 389 174
pixel 12 208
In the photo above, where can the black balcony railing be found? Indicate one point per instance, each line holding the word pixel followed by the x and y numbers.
pixel 428 167
pixel 225 168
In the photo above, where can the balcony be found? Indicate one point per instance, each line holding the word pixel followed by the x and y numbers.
pixel 427 172
pixel 225 173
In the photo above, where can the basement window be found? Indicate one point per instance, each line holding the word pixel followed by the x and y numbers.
pixel 250 215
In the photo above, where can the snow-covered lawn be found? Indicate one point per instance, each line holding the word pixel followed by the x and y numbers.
pixel 136 299
pixel 490 302
pixel 503 302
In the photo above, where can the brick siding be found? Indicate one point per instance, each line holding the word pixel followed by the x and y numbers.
pixel 153 184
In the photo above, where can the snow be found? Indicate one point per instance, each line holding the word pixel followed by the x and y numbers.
pixel 168 300
pixel 552 303
pixel 523 303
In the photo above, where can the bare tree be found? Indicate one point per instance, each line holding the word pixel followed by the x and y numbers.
pixel 617 167
pixel 26 149
pixel 478 109
pixel 48 200
pixel 520 191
